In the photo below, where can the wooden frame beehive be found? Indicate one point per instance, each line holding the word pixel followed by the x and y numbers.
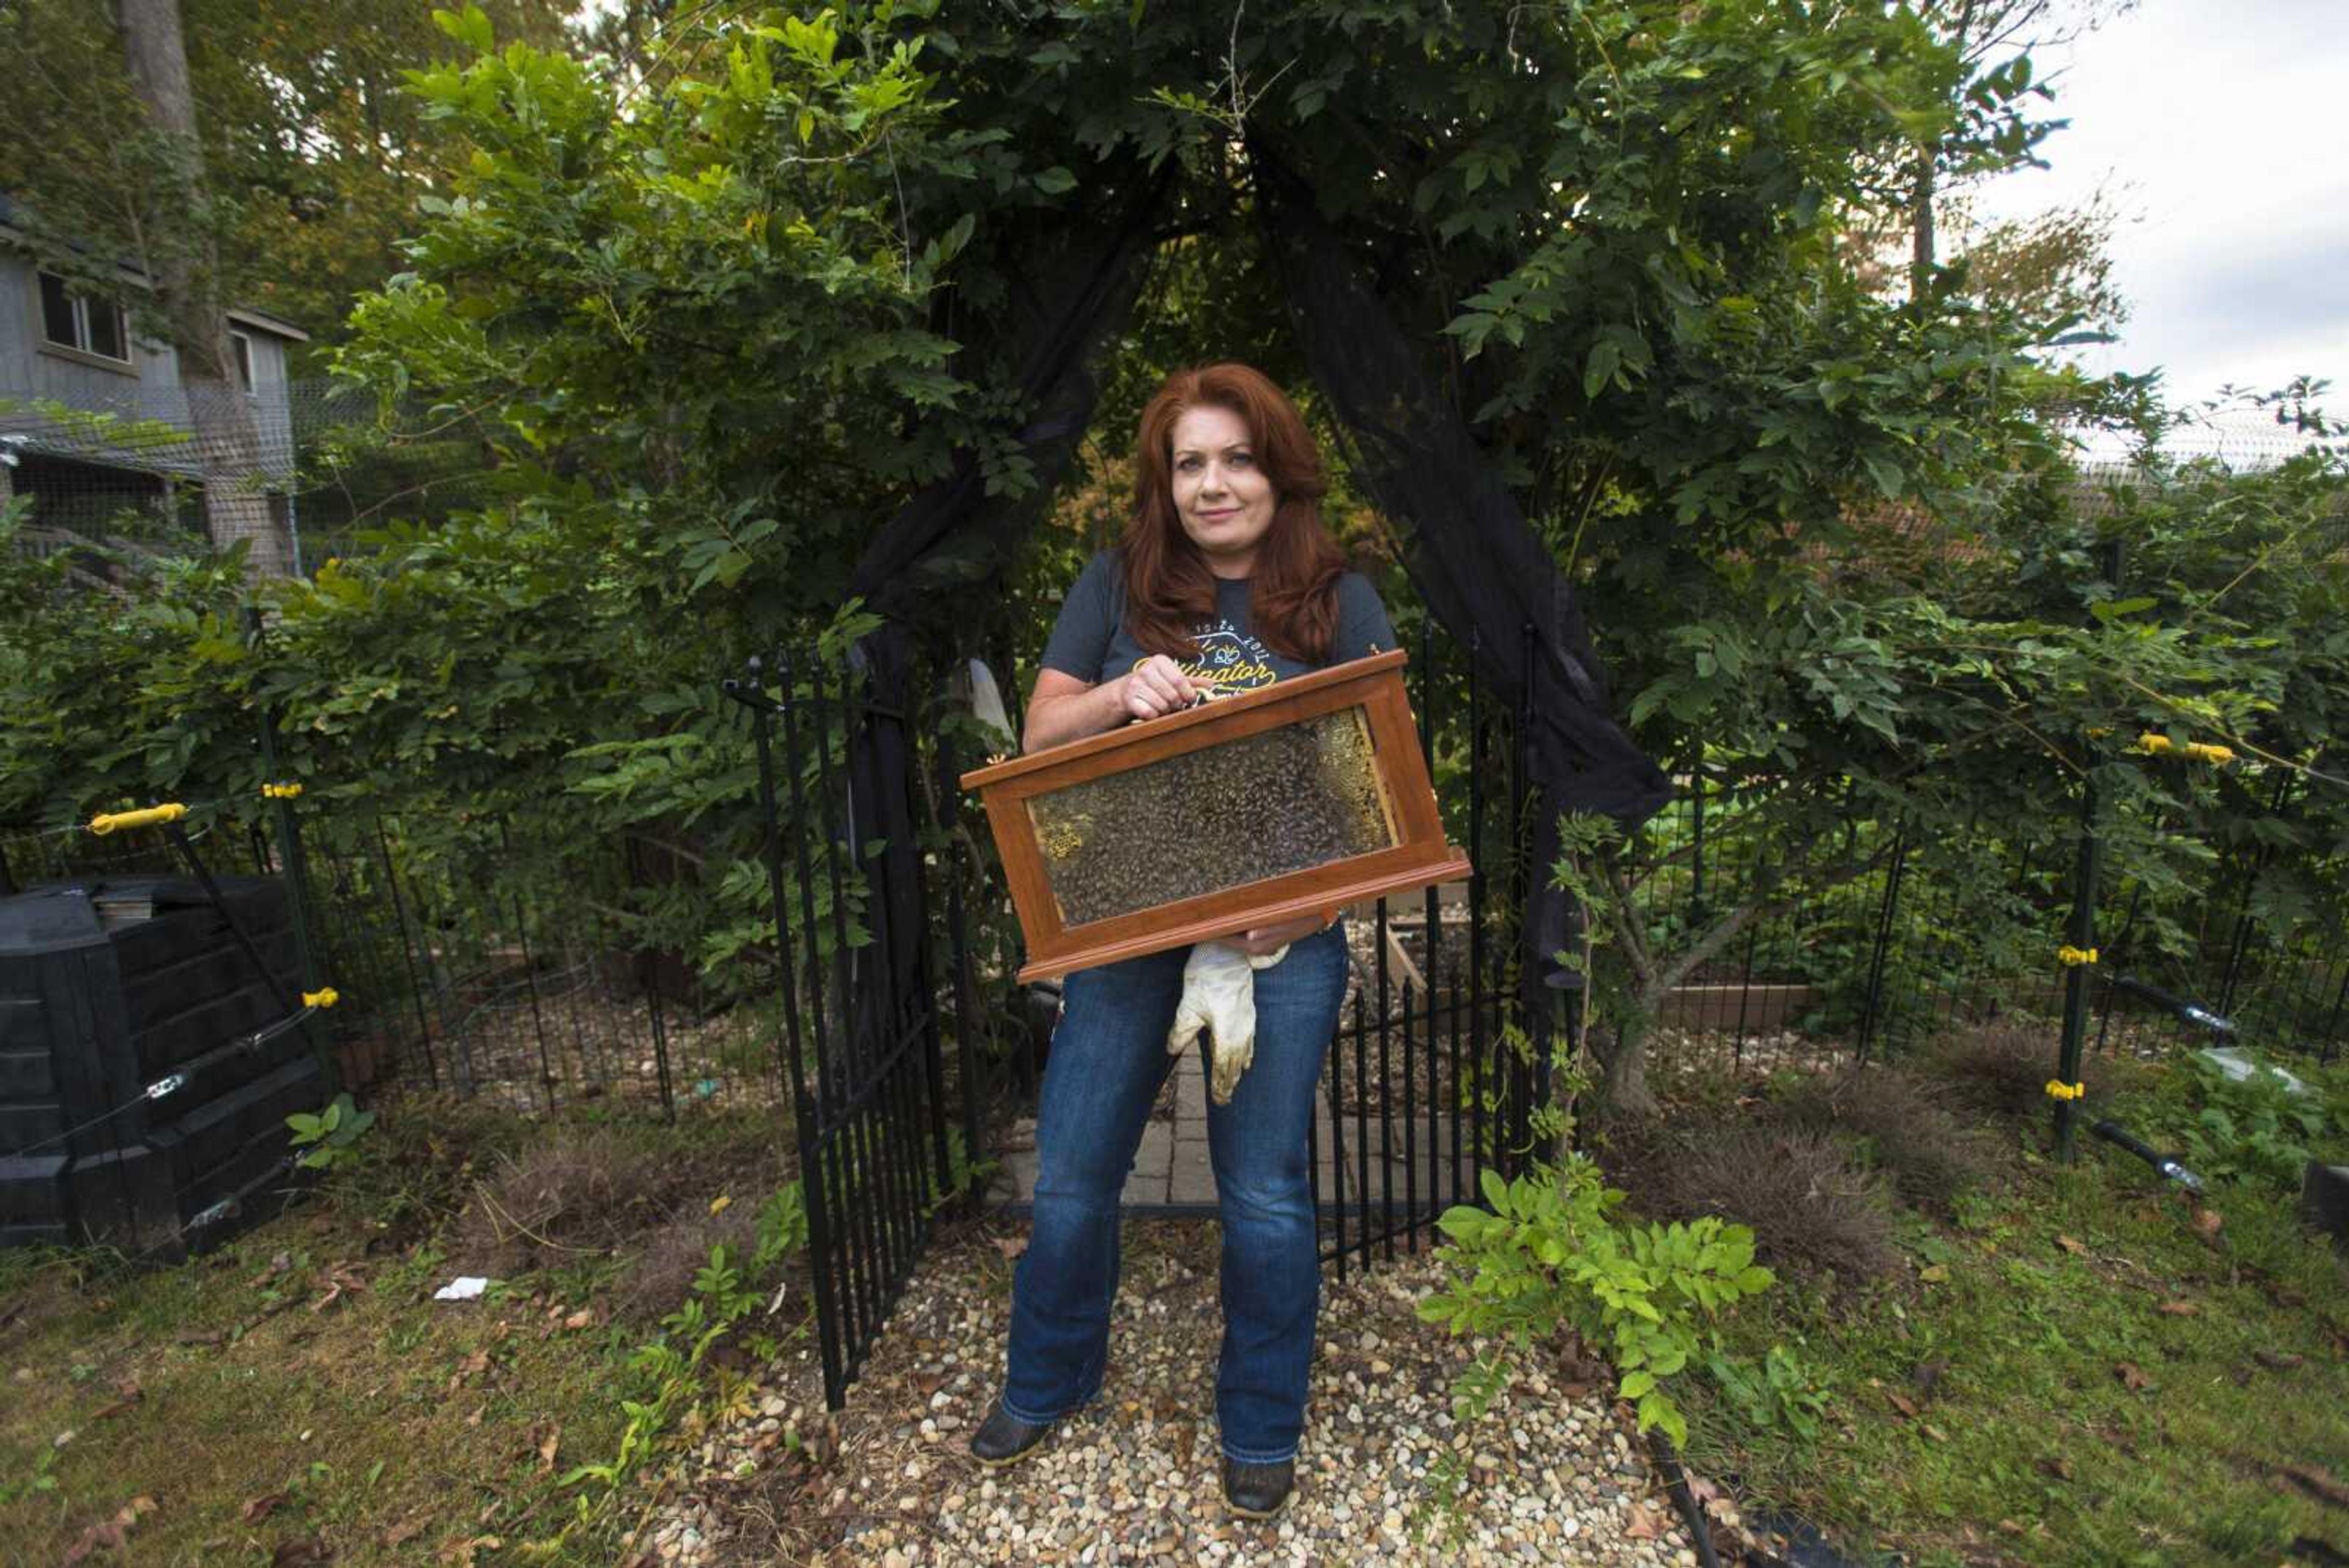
pixel 1302 797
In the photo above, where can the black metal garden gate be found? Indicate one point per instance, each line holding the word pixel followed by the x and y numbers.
pixel 863 1044
pixel 1443 1051
pixel 1439 1061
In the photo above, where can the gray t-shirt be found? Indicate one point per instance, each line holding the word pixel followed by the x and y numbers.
pixel 1091 642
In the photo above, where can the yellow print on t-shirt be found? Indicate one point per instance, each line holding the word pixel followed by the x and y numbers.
pixel 1230 662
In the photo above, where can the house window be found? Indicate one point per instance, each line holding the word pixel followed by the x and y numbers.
pixel 89 325
pixel 240 348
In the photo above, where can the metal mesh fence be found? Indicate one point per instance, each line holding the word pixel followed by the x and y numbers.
pixel 129 468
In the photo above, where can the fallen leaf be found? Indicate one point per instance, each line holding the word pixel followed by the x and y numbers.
pixel 1935 1433
pixel 461 1552
pixel 258 1509
pixel 2072 1244
pixel 584 1318
pixel 1642 1525
pixel 477 1362
pixel 2275 1362
pixel 2131 1374
pixel 1702 1490
pixel 406 1530
pixel 2009 1526
pixel 1934 1273
pixel 119 1406
pixel 550 1436
pixel 2178 1309
pixel 110 1533
pixel 1900 1402
pixel 1009 1246
pixel 2209 1222
pixel 2057 1466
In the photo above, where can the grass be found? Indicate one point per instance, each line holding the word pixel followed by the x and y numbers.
pixel 298 1393
pixel 2068 1369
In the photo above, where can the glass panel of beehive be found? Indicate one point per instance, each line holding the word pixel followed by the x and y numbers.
pixel 1264 806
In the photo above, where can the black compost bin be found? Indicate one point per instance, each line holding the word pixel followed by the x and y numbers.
pixel 134 1110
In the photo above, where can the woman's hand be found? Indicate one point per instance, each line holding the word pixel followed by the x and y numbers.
pixel 1272 939
pixel 1155 688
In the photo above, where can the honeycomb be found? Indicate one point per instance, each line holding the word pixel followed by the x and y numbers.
pixel 1264 806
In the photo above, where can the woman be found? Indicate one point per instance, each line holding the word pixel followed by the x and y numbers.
pixel 1225 581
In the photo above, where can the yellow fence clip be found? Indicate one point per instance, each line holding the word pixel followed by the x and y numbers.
pixel 2154 744
pixel 2059 1089
pixel 325 998
pixel 2072 958
pixel 280 790
pixel 107 822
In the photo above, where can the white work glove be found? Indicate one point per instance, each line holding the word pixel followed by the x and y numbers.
pixel 1219 996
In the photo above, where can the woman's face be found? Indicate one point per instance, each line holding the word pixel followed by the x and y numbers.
pixel 1223 498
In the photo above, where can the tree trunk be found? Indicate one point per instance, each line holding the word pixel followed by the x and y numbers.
pixel 1920 237
pixel 1623 1092
pixel 228 440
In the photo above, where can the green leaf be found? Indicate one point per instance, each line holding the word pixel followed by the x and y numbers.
pixel 1056 182
pixel 469 27
pixel 1605 356
pixel 1887 475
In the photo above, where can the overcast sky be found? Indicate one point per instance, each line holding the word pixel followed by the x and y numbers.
pixel 2217 124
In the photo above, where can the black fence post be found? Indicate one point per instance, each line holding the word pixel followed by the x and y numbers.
pixel 319 1038
pixel 415 985
pixel 1884 914
pixel 2077 974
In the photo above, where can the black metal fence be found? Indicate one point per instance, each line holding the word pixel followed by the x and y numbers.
pixel 1913 936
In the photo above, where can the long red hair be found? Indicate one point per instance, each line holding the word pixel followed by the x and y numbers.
pixel 1293 583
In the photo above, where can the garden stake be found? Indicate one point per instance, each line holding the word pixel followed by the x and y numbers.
pixel 2083 941
pixel 297 873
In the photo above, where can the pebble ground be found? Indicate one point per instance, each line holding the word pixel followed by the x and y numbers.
pixel 1386 1475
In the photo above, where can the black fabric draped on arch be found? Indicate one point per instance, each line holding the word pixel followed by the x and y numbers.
pixel 1468 547
pixel 1480 568
pixel 1075 283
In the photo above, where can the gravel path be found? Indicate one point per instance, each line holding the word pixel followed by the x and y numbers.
pixel 1550 1475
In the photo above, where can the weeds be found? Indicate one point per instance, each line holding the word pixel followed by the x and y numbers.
pixel 2257 1129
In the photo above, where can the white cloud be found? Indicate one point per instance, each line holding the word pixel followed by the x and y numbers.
pixel 2218 127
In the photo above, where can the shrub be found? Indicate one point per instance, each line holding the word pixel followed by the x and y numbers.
pixel 1554 1252
pixel 579 1191
pixel 1930 1156
pixel 1997 1069
pixel 1809 1206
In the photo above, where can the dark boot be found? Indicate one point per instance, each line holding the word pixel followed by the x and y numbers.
pixel 1257 1491
pixel 1004 1438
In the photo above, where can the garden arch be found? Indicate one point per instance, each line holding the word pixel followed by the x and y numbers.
pixel 1483 574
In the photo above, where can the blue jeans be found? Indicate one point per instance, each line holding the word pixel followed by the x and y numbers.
pixel 1109 1058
